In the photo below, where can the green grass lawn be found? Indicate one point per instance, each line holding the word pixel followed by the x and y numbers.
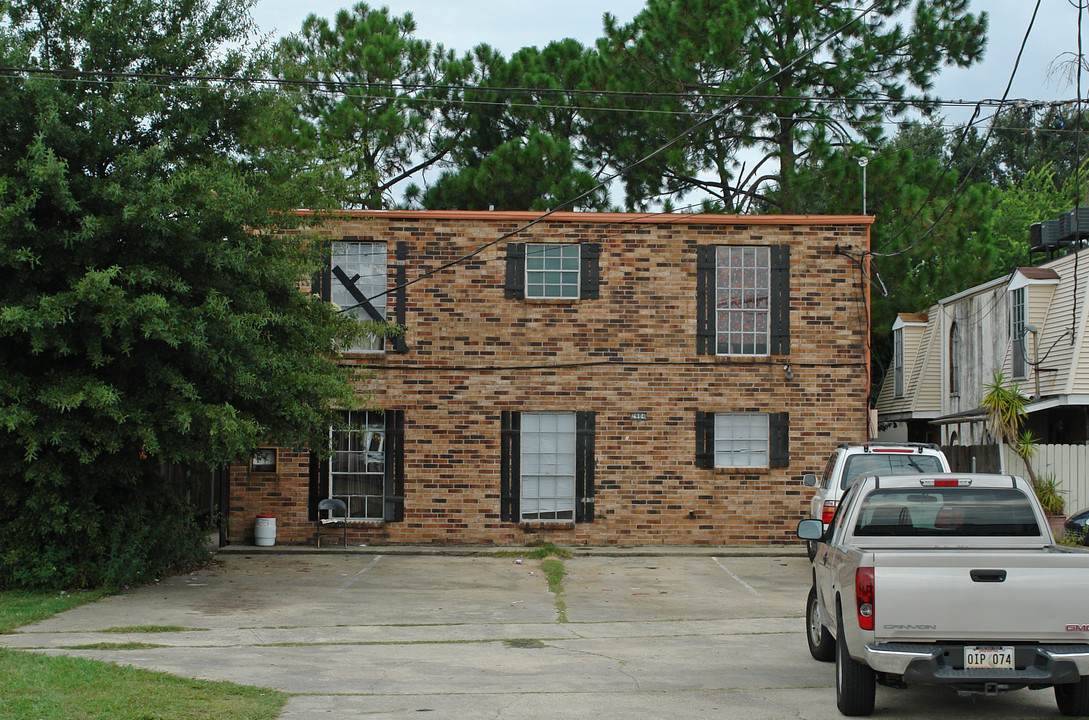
pixel 36 686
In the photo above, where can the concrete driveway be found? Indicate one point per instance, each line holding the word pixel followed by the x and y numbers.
pixel 383 633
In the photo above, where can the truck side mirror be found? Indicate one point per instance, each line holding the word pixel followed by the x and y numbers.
pixel 810 480
pixel 811 529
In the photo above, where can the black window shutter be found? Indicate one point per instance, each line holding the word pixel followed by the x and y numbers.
pixel 510 467
pixel 584 465
pixel 393 509
pixel 515 286
pixel 400 278
pixel 319 484
pixel 705 299
pixel 589 256
pixel 779 440
pixel 780 300
pixel 320 282
pixel 705 439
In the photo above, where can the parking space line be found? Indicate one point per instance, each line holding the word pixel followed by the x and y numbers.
pixel 355 577
pixel 730 572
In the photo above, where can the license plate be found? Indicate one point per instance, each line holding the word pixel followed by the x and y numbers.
pixel 988 658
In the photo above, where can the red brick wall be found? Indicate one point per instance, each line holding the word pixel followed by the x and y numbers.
pixel 474 353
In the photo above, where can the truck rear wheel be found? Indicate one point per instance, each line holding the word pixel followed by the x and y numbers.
pixel 856 685
pixel 822 646
pixel 1073 698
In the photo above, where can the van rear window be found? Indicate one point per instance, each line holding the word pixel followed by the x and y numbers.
pixel 947 512
pixel 888 464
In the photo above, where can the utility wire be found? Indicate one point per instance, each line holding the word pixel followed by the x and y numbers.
pixel 964 181
pixel 341 88
pixel 1077 187
pixel 604 183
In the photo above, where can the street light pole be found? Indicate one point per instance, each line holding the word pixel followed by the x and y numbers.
pixel 862 163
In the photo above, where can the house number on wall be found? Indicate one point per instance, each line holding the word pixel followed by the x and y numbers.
pixel 638 417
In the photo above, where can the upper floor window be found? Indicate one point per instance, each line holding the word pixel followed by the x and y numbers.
pixel 562 271
pixel 742 300
pixel 1017 331
pixel 358 282
pixel 954 360
pixel 898 362
pixel 552 271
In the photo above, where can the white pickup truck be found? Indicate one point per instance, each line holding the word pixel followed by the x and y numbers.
pixel 950 579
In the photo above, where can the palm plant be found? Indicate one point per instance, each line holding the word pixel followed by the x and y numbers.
pixel 1005 406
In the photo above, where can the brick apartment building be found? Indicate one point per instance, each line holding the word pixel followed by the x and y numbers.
pixel 589 379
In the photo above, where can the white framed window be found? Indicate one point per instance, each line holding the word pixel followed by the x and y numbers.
pixel 898 362
pixel 1017 331
pixel 741 440
pixel 357 468
pixel 548 466
pixel 357 282
pixel 742 300
pixel 552 271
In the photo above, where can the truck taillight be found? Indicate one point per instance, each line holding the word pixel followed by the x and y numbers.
pixel 828 511
pixel 864 597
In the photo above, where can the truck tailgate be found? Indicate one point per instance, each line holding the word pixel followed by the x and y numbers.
pixel 981 595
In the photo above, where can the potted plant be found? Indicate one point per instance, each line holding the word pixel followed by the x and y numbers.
pixel 1051 498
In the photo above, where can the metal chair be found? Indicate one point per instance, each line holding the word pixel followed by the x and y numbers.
pixel 334 506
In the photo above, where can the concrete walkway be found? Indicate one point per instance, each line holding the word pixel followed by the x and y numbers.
pixel 395 632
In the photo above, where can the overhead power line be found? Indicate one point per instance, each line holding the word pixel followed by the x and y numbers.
pixel 410 92
pixel 979 155
pixel 604 183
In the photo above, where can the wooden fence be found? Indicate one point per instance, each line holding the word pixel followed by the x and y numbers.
pixel 1068 463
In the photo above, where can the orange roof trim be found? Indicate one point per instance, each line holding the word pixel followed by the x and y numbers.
pixel 596 217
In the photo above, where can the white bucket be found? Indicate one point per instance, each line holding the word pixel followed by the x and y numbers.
pixel 265 531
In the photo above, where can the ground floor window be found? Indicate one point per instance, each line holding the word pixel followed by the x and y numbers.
pixel 742 440
pixel 357 468
pixel 548 466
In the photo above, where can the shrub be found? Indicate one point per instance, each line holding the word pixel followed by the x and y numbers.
pixel 83 534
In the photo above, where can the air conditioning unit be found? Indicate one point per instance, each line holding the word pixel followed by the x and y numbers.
pixel 1074 225
pixel 1045 235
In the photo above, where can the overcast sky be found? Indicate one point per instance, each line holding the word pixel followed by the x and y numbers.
pixel 512 24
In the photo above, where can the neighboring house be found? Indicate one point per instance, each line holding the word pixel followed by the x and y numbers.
pixel 1030 326
pixel 588 379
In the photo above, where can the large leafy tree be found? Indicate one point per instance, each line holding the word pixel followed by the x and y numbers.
pixel 778 78
pixel 148 313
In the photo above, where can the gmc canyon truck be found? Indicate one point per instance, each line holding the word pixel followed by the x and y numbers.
pixel 948 579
